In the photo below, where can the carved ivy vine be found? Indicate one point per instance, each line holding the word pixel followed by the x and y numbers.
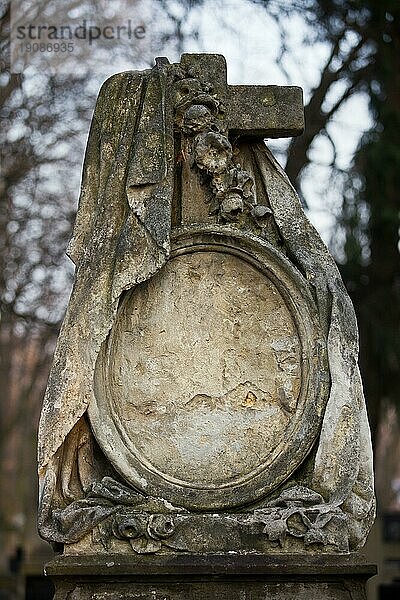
pixel 302 513
pixel 112 510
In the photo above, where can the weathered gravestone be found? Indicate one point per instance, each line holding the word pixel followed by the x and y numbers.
pixel 204 432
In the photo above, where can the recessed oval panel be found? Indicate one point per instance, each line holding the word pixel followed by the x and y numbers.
pixel 200 380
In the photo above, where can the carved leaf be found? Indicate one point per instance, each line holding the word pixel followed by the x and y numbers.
pixel 114 491
pixel 276 529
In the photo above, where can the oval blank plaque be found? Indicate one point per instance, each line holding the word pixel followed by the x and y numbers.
pixel 202 381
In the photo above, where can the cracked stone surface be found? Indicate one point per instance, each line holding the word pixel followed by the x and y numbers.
pixel 206 363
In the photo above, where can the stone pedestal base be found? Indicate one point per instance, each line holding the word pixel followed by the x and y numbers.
pixel 210 577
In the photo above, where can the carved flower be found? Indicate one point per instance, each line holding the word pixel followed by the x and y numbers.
pixel 160 527
pixel 221 183
pixel 186 90
pixel 231 206
pixel 190 92
pixel 243 181
pixel 197 118
pixel 213 152
pixel 128 526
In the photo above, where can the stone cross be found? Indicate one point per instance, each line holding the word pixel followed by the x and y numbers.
pixel 248 111
pixel 266 111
